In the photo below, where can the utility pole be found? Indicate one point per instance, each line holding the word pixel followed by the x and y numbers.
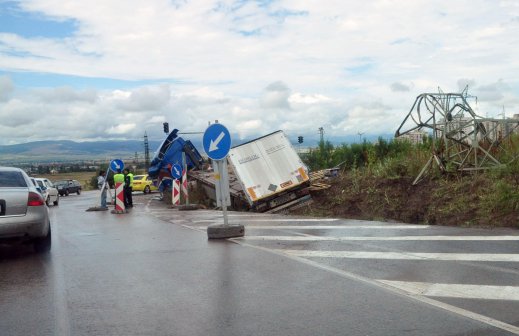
pixel 360 136
pixel 146 152
pixel 321 132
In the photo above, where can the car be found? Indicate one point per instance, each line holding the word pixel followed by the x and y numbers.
pixel 34 183
pixel 41 188
pixel 24 217
pixel 51 194
pixel 66 187
pixel 143 183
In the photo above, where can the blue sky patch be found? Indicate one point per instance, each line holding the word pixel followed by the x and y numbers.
pixel 360 69
pixel 400 41
pixel 32 80
pixel 31 24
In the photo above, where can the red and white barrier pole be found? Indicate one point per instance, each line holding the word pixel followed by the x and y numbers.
pixel 176 192
pixel 119 198
pixel 184 185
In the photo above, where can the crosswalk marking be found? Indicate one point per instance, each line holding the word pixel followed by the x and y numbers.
pixel 324 227
pixel 335 227
pixel 404 256
pixel 397 238
pixel 483 292
pixel 272 220
pixel 422 298
pixel 421 291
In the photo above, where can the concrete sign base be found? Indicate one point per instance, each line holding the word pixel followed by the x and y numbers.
pixel 222 231
pixel 96 208
pixel 187 207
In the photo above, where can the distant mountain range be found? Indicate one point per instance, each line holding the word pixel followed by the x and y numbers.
pixel 69 151
pixel 66 150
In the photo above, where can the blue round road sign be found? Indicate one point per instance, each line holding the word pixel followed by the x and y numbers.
pixel 116 164
pixel 176 171
pixel 217 141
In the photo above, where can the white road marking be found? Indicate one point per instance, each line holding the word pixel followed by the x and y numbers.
pixel 397 238
pixel 453 309
pixel 334 227
pixel 506 293
pixel 61 308
pixel 404 256
pixel 322 227
pixel 272 220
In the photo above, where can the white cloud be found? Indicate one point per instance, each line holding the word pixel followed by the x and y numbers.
pixel 66 94
pixel 400 87
pixel 145 98
pixel 299 98
pixel 156 120
pixel 275 96
pixel 121 129
pixel 347 66
pixel 6 88
pixel 248 128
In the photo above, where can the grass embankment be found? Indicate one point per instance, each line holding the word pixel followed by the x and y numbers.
pixel 376 184
pixel 477 200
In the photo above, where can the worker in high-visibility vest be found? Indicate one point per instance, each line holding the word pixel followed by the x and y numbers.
pixel 119 177
pixel 128 188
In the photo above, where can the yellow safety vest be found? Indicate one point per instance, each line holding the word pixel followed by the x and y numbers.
pixel 119 178
pixel 130 175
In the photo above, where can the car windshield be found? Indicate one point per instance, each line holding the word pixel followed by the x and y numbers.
pixel 138 177
pixel 10 179
pixel 57 183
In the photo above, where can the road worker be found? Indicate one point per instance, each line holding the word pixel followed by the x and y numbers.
pixel 128 188
pixel 103 186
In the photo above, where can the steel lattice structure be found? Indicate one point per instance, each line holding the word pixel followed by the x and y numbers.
pixel 462 140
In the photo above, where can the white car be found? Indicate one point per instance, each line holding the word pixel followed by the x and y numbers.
pixel 50 193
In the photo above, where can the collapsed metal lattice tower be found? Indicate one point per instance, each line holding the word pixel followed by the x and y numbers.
pixel 461 140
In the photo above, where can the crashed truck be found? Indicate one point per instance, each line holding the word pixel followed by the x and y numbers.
pixel 265 174
pixel 170 152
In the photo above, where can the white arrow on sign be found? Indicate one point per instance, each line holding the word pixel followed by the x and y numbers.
pixel 117 165
pixel 176 170
pixel 214 144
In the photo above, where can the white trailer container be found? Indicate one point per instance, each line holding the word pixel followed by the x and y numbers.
pixel 270 171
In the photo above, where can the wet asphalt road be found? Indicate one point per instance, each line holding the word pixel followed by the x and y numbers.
pixel 153 272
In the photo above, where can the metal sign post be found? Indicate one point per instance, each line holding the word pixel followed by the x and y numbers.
pixel 184 178
pixel 223 199
pixel 217 143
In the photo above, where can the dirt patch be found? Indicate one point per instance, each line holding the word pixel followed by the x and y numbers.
pixel 472 200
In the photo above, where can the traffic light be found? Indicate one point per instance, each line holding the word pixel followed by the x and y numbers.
pixel 300 139
pixel 166 127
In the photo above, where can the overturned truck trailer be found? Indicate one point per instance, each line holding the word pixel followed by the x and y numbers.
pixel 265 175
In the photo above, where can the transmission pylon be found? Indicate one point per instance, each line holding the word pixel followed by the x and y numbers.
pixel 462 140
pixel 146 152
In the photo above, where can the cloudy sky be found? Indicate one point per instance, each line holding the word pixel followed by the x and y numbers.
pixel 114 69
